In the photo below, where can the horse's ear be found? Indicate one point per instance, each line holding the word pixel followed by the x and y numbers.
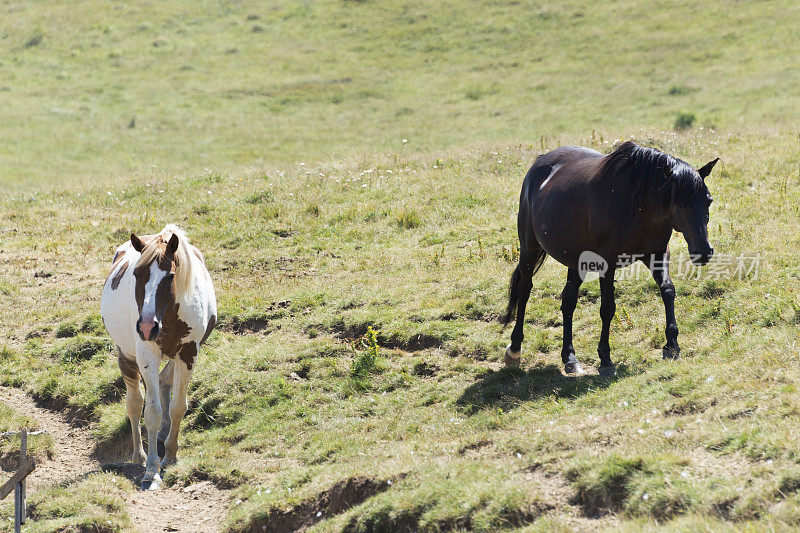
pixel 137 243
pixel 172 245
pixel 706 170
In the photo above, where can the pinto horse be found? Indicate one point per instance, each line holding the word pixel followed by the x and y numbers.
pixel 595 212
pixel 158 303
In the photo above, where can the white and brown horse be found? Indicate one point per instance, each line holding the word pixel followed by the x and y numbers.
pixel 158 304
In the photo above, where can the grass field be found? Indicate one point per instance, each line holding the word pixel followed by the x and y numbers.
pixel 280 151
pixel 96 92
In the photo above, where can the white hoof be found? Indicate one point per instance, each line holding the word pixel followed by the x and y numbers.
pixel 512 359
pixel 151 483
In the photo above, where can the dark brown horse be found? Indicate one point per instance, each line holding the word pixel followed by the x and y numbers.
pixel 595 212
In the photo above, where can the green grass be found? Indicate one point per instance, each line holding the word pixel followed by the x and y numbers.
pixel 93 92
pixel 360 277
pixel 40 446
pixel 94 503
pixel 291 397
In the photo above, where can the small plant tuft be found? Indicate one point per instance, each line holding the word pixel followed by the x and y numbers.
pixel 684 121
pixel 35 40
pixel 259 197
pixel 407 218
pixel 678 90
pixel 270 211
pixel 312 209
pixel 366 361
pixel 66 329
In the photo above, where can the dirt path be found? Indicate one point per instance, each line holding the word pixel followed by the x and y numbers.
pixel 197 508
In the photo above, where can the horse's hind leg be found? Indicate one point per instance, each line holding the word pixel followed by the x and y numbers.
pixel 522 284
pixel 165 386
pixel 133 404
pixel 607 309
pixel 569 300
pixel 177 408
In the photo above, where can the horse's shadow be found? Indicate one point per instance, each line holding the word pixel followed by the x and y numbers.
pixel 509 387
pixel 132 471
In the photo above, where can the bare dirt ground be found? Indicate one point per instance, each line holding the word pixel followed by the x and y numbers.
pixel 199 507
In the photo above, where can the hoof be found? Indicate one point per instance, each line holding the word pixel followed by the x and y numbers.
pixel 160 447
pixel 153 483
pixel 168 462
pixel 512 359
pixel 670 353
pixel 574 368
pixel 607 371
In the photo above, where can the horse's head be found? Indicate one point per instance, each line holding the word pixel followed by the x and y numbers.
pixel 155 282
pixel 690 215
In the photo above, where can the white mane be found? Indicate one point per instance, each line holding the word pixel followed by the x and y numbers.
pixel 154 250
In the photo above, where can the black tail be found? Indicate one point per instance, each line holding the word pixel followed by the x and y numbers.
pixel 513 286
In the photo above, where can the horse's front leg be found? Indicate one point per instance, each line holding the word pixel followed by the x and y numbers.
pixel 148 362
pixel 177 407
pixel 607 309
pixel 659 266
pixel 165 385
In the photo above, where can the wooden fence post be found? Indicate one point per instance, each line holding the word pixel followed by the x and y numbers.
pixel 17 481
pixel 23 458
pixel 19 488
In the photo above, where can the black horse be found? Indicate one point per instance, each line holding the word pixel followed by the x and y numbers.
pixel 595 212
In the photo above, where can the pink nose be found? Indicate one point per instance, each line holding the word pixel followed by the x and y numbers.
pixel 148 329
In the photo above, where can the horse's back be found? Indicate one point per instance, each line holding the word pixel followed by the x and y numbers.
pixel 567 154
pixel 555 202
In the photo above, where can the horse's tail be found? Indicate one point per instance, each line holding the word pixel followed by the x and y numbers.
pixel 513 286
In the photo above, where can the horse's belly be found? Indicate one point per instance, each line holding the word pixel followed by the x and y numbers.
pixel 562 234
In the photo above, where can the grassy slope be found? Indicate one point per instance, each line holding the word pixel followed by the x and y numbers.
pixel 221 85
pixel 414 245
pixel 10 420
pixel 476 444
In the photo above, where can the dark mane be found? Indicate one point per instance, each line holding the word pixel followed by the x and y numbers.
pixel 655 175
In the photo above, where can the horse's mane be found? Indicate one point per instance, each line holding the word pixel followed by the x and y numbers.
pixel 654 174
pixel 156 247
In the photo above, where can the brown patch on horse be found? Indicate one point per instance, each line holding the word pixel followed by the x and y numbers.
pixel 211 323
pixel 173 331
pixel 129 369
pixel 142 274
pixel 188 353
pixel 117 278
pixel 165 262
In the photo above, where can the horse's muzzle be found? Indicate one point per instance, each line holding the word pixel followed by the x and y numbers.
pixel 148 330
pixel 702 258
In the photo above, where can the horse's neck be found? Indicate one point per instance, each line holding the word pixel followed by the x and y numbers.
pixel 197 279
